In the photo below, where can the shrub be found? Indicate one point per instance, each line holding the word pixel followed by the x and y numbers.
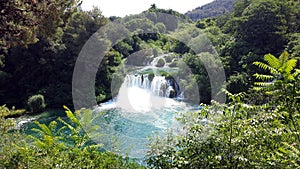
pixel 8 140
pixel 167 75
pixel 36 103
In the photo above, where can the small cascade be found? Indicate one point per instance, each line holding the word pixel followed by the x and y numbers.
pixel 156 61
pixel 141 81
pixel 143 93
pixel 158 86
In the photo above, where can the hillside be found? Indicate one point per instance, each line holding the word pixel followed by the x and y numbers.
pixel 213 9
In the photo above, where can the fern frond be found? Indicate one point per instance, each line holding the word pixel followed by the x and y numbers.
pixel 290 65
pixel 266 67
pixel 272 61
pixel 263 77
pixel 70 127
pixel 296 73
pixel 38 131
pixel 52 126
pixel 43 128
pixel 290 77
pixel 263 84
pixel 257 88
pixel 273 92
pixel 61 129
pixel 71 116
pixel 283 58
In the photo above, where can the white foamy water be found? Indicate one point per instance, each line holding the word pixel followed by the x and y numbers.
pixel 141 109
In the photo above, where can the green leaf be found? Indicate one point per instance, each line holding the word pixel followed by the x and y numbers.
pixel 272 61
pixel 266 67
pixel 43 128
pixel 263 77
pixel 290 65
pixel 52 126
pixel 264 84
pixel 284 57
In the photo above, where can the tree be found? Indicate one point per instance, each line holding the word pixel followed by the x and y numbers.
pixel 23 22
pixel 153 7
pixel 262 24
pixel 46 67
pixel 282 84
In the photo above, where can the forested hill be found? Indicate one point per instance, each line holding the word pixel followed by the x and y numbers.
pixel 213 9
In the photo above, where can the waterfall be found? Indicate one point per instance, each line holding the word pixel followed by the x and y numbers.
pixel 143 107
pixel 143 93
pixel 158 86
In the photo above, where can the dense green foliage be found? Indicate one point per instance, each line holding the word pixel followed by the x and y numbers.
pixel 257 128
pixel 239 135
pixel 258 27
pixel 235 37
pixel 24 22
pixel 47 66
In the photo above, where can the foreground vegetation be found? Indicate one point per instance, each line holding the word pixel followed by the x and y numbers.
pixel 60 144
pixel 240 135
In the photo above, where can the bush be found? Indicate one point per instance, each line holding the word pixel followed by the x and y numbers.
pixel 36 103
pixel 8 140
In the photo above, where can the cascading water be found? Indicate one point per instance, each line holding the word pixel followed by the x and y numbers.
pixel 159 85
pixel 142 108
pixel 141 93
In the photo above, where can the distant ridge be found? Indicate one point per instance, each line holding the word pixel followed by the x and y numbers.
pixel 213 9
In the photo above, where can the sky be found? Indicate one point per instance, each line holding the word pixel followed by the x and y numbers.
pixel 126 7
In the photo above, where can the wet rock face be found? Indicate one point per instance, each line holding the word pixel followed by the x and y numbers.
pixel 172 93
pixel 160 63
pixel 173 89
pixel 169 88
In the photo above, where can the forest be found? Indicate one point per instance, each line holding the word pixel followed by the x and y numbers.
pixel 213 9
pixel 257 43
